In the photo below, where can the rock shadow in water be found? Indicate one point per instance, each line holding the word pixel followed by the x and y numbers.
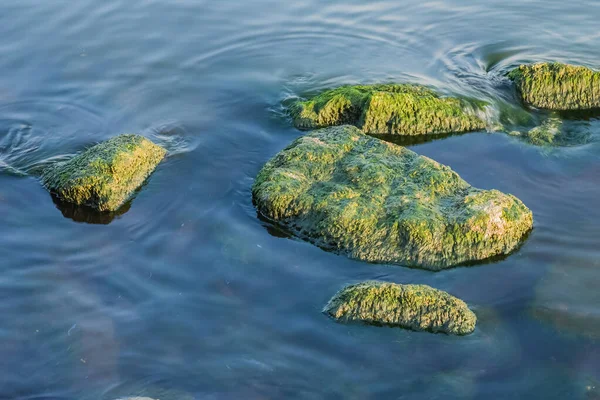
pixel 86 214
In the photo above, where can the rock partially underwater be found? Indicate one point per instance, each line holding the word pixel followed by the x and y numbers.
pixel 106 175
pixel 546 134
pixel 556 86
pixel 379 202
pixel 416 307
pixel 400 109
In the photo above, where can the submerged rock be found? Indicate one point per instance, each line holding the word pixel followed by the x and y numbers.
pixel 416 307
pixel 400 109
pixel 375 201
pixel 567 297
pixel 547 134
pixel 104 176
pixel 556 86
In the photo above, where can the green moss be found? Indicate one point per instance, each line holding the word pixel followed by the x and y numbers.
pixel 556 86
pixel 547 134
pixel 106 175
pixel 379 202
pixel 401 109
pixel 416 307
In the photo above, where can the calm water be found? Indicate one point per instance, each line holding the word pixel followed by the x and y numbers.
pixel 187 294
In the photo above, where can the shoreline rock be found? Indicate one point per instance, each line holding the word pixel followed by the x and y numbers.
pixel 399 109
pixel 414 307
pixel 106 175
pixel 557 86
pixel 379 202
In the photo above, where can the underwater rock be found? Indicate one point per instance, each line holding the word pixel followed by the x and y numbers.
pixel 567 298
pixel 416 307
pixel 556 86
pixel 547 134
pixel 106 175
pixel 379 202
pixel 399 109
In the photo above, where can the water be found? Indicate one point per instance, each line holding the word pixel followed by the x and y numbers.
pixel 186 293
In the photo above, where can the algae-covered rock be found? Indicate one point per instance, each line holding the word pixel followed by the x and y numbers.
pixel 399 109
pixel 379 202
pixel 106 175
pixel 416 307
pixel 546 134
pixel 556 86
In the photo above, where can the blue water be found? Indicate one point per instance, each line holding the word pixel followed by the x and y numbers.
pixel 186 294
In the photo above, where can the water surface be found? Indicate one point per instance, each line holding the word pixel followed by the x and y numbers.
pixel 186 293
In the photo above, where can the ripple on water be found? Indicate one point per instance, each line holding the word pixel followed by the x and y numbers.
pixel 476 71
pixel 35 133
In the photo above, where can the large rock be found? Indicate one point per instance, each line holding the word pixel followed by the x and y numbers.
pixel 401 109
pixel 556 86
pixel 106 175
pixel 416 307
pixel 380 202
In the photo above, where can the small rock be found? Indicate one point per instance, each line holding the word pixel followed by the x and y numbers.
pixel 556 86
pixel 106 175
pixel 415 307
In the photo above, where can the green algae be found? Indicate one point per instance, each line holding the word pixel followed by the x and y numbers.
pixel 400 109
pixel 556 86
pixel 546 134
pixel 553 132
pixel 415 307
pixel 106 175
pixel 378 202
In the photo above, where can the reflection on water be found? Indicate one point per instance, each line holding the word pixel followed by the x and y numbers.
pixel 188 294
pixel 79 213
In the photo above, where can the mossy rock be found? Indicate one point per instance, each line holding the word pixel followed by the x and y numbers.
pixel 416 307
pixel 379 202
pixel 546 134
pixel 104 176
pixel 399 109
pixel 556 86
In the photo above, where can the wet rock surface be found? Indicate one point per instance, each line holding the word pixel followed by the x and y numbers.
pixel 106 175
pixel 415 307
pixel 375 201
pixel 556 86
pixel 399 109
